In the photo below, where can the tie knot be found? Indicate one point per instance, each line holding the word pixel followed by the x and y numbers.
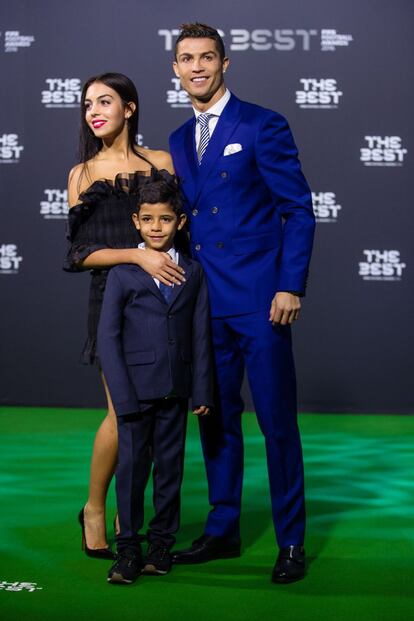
pixel 204 118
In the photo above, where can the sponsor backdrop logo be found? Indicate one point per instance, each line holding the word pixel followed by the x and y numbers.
pixel 381 265
pixel 10 149
pixel 139 140
pixel 264 39
pixel 14 41
pixel 9 259
pixel 330 40
pixel 176 97
pixel 318 93
pixel 383 151
pixel 62 93
pixel 54 206
pixel 325 206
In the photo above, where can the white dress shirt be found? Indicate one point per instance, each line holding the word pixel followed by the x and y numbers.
pixel 173 254
pixel 215 110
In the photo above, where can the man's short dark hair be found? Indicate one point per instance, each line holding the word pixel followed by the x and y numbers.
pixel 161 187
pixel 201 31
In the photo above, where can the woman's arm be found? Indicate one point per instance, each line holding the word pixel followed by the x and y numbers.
pixel 158 264
pixel 76 176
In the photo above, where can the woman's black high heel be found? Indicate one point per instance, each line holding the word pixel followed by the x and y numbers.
pixel 104 553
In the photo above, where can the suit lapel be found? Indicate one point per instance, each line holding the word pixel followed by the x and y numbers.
pixel 177 289
pixel 226 125
pixel 189 160
pixel 145 279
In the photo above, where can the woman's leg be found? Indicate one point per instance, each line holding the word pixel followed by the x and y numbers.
pixel 103 463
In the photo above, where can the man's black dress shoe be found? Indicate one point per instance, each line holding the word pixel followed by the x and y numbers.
pixel 290 565
pixel 127 567
pixel 208 548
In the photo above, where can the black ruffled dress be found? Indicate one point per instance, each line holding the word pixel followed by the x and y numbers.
pixel 102 219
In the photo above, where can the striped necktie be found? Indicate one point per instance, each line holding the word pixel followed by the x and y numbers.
pixel 203 120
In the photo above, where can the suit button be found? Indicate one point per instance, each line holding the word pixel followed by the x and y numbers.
pixel 194 212
pixel 214 210
pixel 170 316
pixel 197 246
pixel 171 341
pixel 223 174
pixel 220 245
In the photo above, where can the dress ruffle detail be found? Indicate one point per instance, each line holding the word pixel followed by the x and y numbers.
pixel 101 191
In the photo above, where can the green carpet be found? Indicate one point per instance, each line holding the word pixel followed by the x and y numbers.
pixel 360 538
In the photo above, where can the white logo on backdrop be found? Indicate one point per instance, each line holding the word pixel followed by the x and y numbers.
pixel 14 41
pixel 331 40
pixel 320 93
pixel 139 140
pixel 383 151
pixel 62 93
pixel 381 265
pixel 325 207
pixel 176 96
pixel 264 39
pixel 9 259
pixel 55 204
pixel 10 149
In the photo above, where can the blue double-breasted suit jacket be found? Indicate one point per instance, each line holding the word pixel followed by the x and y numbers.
pixel 251 214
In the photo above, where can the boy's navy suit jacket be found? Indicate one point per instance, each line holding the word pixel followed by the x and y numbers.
pixel 150 349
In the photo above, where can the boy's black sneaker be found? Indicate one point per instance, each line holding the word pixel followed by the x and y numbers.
pixel 127 567
pixel 158 559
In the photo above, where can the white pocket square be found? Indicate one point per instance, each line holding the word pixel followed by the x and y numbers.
pixel 232 148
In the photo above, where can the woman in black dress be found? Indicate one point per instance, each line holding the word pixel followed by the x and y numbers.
pixel 102 192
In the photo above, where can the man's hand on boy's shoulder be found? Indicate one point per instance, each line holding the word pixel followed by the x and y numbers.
pixel 201 410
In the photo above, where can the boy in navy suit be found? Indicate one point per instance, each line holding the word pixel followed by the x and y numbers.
pixel 154 346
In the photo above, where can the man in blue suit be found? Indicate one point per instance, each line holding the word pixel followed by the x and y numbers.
pixel 154 347
pixel 252 227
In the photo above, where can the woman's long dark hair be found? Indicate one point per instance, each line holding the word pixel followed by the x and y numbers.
pixel 89 144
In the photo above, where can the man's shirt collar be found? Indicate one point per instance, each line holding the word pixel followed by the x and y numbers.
pixel 218 107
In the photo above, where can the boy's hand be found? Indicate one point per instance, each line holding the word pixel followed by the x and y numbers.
pixel 201 410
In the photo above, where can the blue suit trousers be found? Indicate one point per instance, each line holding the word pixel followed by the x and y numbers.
pixel 251 342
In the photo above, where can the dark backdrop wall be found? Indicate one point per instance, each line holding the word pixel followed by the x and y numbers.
pixel 341 73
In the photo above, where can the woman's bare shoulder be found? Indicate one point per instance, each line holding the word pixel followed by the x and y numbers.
pixel 160 159
pixel 79 179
